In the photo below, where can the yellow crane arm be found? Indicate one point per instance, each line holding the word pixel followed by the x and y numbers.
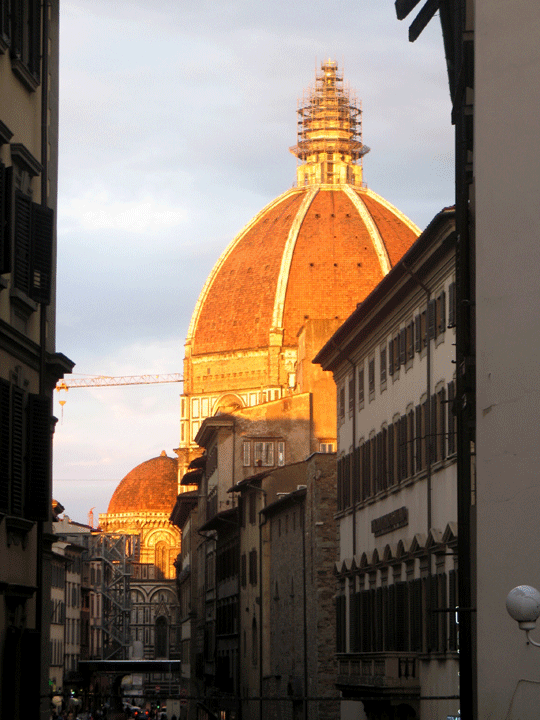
pixel 106 380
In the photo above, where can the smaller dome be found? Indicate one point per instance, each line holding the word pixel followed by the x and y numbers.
pixel 150 487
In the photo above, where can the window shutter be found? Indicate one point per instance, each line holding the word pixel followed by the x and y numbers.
pixel 418 333
pixel 379 622
pixel 391 457
pixel 418 438
pixel 391 357
pixel 433 443
pixel 42 248
pixel 352 392
pixel 361 386
pixel 402 447
pixel 17 450
pixel 341 628
pixel 396 353
pixel 443 617
pixel 451 419
pixel 410 444
pixel 390 617
pixel 383 365
pixel 39 453
pixel 371 375
pixel 4 238
pixel 367 620
pixel 5 414
pixel 452 305
pixel 357 476
pixel 17 28
pixel 442 423
pixel 410 340
pixel 402 617
pixel 353 623
pixel 432 329
pixel 365 471
pixel 403 346
pixel 5 26
pixel 416 615
pixel 433 615
pixel 384 459
pixel 441 302
pixel 34 54
pixel 23 229
pixel 452 603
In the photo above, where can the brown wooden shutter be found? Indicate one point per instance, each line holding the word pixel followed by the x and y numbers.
pixel 17 451
pixel 416 615
pixel 17 28
pixel 452 603
pixel 34 40
pixel 418 437
pixel 391 456
pixel 391 357
pixel 42 249
pixel 433 435
pixel 418 333
pixel 5 415
pixel 403 346
pixel 37 502
pixel 22 242
pixel 4 237
pixel 442 423
pixel 451 419
pixel 402 617
pixel 432 326
pixel 452 305
pixel 410 340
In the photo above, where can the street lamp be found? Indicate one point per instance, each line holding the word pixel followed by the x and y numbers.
pixel 523 605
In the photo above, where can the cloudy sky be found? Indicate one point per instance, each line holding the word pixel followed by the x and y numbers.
pixel 175 124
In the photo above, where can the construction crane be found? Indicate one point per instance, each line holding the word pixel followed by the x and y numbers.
pixel 108 380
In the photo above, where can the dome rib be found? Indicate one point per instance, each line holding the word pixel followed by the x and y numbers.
pixel 225 255
pixel 371 227
pixel 286 260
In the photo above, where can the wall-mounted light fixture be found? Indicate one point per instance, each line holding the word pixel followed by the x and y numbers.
pixel 523 605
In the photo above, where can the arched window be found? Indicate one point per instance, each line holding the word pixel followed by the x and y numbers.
pixel 160 647
pixel 162 558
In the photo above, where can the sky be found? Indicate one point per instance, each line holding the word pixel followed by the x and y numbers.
pixel 175 124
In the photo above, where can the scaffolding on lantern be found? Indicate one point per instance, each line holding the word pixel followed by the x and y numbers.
pixel 329 147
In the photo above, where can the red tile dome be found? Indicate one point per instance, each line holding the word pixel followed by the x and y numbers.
pixel 314 252
pixel 150 487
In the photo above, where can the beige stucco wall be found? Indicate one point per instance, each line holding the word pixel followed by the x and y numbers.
pixel 507 158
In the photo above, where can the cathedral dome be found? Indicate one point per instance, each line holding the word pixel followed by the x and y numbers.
pixel 315 252
pixel 150 487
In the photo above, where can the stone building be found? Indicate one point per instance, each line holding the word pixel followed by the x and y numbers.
pixel 29 363
pixel 140 509
pixel 299 543
pixel 393 363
